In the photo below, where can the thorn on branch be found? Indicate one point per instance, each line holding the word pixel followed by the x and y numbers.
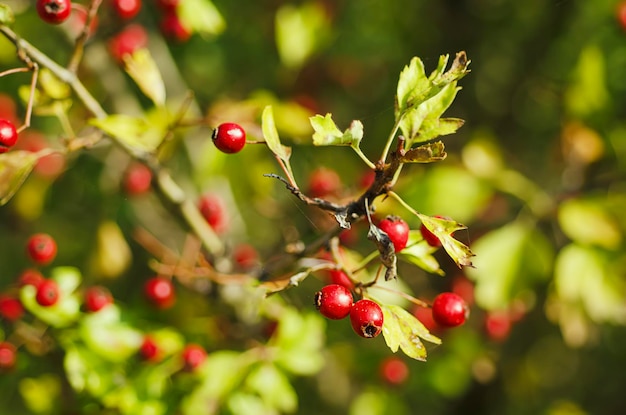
pixel 312 201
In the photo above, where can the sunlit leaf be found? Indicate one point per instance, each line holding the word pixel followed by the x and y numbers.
pixel 15 166
pixel 6 15
pixel 443 229
pixel 420 253
pixel 402 330
pixel 53 86
pixel 327 133
pixel 426 153
pixel 201 16
pixel 143 69
pixel 270 134
pixel 428 112
pixel 273 387
pixel 587 222
pixel 433 128
pixel 132 131
pixel 61 314
pixel 298 340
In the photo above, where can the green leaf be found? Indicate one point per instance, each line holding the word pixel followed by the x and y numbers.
pixel 86 371
pixel 273 387
pixel 270 134
pixel 420 253
pixel 132 131
pixel 413 86
pixel 62 314
pixel 241 403
pixel 433 128
pixel 587 222
pixel 403 330
pixel 327 133
pixel 67 278
pixel 588 92
pixel 426 153
pixel 6 15
pixel 15 166
pixel 41 395
pixel 53 86
pixel 201 16
pixel 298 340
pixel 144 71
pixel 443 229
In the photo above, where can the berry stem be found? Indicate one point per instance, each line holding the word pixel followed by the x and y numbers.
pixel 79 47
pixel 409 297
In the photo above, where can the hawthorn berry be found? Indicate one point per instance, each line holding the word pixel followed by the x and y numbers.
pixel 334 301
pixel 96 298
pixel 425 316
pixel 397 230
pixel 173 28
pixel 498 325
pixel 137 179
pixel 129 40
pixel 245 256
pixel 193 356
pixel 47 293
pixel 621 14
pixel 54 11
pixel 149 350
pixel 160 292
pixel 450 310
pixel 30 277
pixel 229 137
pixel 366 318
pixel 394 370
pixel 212 208
pixel 8 135
pixel 430 238
pixel 127 9
pixel 11 308
pixel 49 166
pixel 323 182
pixel 339 277
pixel 8 355
pixel 42 248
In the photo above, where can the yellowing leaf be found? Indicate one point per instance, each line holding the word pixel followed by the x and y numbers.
pixel 426 153
pixel 53 86
pixel 15 166
pixel 201 16
pixel 402 330
pixel 588 223
pixel 443 229
pixel 143 69
pixel 133 132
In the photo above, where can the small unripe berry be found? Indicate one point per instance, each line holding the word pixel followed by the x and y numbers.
pixel 193 356
pixel 450 310
pixel 47 293
pixel 229 137
pixel 366 318
pixel 323 182
pixel 397 230
pixel 96 298
pixel 42 248
pixel 8 135
pixel 334 301
pixel 11 308
pixel 54 11
pixel 8 355
pixel 160 292
pixel 394 370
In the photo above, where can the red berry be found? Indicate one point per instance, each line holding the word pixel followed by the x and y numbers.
pixel 621 14
pixel 367 179
pixel 339 277
pixel 245 256
pixel 8 135
pixel 47 293
pixel 212 208
pixel 30 277
pixel 168 5
pixel 334 301
pixel 229 137
pixel 394 370
pixel 498 325
pixel 425 316
pixel 150 350
pixel 367 318
pixel 54 11
pixel 193 356
pixel 49 166
pixel 450 310
pixel 323 182
pixel 8 355
pixel 397 230
pixel 11 308
pixel 160 292
pixel 430 238
pixel 173 28
pixel 464 288
pixel 137 179
pixel 41 248
pixel 127 9
pixel 96 298
pixel 126 42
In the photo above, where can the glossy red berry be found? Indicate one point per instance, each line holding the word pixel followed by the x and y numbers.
pixel 150 350
pixel 42 248
pixel 367 318
pixel 334 301
pixel 129 40
pixel 193 356
pixel 8 355
pixel 394 370
pixel 127 9
pixel 339 277
pixel 214 211
pixel 11 308
pixel 8 135
pixel 47 293
pixel 30 277
pixel 173 28
pixel 137 179
pixel 397 230
pixel 160 292
pixel 450 310
pixel 54 11
pixel 96 298
pixel 229 137
pixel 323 182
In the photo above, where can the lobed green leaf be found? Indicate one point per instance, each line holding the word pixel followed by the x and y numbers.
pixel 443 229
pixel 402 330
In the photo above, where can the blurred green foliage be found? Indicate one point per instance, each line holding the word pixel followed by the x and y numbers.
pixel 536 173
